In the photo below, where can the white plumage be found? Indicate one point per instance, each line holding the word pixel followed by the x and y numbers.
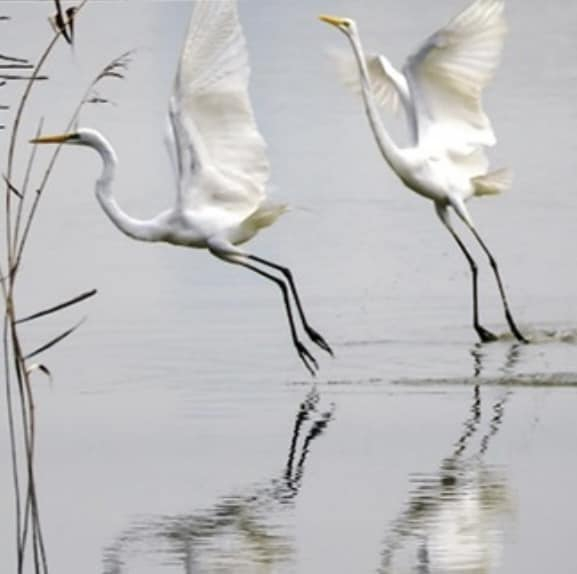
pixel 448 73
pixel 219 148
pixel 441 91
pixel 386 91
pixel 219 158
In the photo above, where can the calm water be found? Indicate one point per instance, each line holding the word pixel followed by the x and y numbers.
pixel 181 433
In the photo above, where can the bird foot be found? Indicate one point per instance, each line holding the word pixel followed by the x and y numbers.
pixel 514 329
pixel 309 361
pixel 520 337
pixel 317 339
pixel 485 335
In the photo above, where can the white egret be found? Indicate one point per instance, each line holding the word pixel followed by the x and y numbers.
pixel 440 89
pixel 219 157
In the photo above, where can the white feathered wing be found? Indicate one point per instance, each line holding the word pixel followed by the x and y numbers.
pixel 219 153
pixel 447 76
pixel 384 90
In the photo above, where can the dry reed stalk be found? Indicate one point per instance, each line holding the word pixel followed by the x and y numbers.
pixel 19 216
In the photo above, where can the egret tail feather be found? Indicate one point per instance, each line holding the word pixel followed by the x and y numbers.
pixel 493 183
pixel 266 214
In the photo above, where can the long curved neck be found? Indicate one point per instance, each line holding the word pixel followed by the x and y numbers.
pixel 402 87
pixel 389 149
pixel 135 228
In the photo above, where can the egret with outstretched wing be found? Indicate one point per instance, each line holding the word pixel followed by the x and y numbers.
pixel 440 89
pixel 219 157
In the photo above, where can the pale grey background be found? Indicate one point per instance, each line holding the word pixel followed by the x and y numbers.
pixel 182 387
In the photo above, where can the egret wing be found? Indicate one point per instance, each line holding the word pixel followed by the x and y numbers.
pixel 220 154
pixel 471 165
pixel 388 85
pixel 447 76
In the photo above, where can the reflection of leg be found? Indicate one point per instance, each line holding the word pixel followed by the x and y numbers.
pixel 513 356
pixel 305 408
pixel 493 264
pixel 471 423
pixel 485 335
pixel 313 335
pixel 293 472
pixel 478 357
pixel 496 421
pixel 316 430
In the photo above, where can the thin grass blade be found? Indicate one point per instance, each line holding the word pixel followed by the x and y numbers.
pixel 60 306
pixel 54 341
pixel 11 187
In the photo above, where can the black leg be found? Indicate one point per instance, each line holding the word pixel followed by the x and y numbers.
pixel 493 264
pixel 313 335
pixel 485 335
pixel 308 360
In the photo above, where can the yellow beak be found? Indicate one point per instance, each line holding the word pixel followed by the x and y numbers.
pixel 334 20
pixel 52 139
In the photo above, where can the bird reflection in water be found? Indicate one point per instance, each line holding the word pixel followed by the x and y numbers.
pixel 455 518
pixel 480 355
pixel 239 533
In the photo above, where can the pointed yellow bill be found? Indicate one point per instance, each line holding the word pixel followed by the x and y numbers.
pixel 52 139
pixel 334 20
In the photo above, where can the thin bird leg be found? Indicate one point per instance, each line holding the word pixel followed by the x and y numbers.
pixel 313 335
pixel 493 264
pixel 309 361
pixel 485 335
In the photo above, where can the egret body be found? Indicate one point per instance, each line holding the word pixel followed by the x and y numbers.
pixel 219 157
pixel 440 89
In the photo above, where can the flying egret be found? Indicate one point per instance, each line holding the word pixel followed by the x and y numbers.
pixel 440 89
pixel 219 157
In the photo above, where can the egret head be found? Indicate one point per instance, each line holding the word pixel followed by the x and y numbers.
pixel 83 136
pixel 345 25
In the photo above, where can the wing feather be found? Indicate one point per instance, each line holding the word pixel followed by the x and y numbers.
pixel 385 91
pixel 388 85
pixel 220 154
pixel 448 73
